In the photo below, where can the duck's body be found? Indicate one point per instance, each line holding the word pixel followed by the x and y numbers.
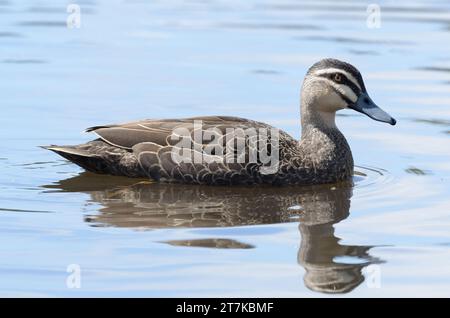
pixel 143 149
pixel 151 148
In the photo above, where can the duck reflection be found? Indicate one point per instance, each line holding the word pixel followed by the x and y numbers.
pixel 320 249
pixel 129 203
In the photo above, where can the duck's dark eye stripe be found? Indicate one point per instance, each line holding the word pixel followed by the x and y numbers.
pixel 352 85
pixel 344 80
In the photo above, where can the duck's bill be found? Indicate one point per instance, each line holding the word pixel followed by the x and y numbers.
pixel 365 105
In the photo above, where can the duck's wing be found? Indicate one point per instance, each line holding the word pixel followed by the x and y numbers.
pixel 154 143
pixel 160 132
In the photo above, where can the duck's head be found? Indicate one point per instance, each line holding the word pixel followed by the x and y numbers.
pixel 331 85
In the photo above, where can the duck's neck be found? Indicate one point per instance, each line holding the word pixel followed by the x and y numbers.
pixel 317 119
pixel 324 145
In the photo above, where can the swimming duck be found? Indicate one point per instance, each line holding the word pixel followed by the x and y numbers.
pixel 222 150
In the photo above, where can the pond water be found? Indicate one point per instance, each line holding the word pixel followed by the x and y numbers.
pixel 387 235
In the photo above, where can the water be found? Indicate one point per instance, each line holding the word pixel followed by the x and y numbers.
pixel 389 235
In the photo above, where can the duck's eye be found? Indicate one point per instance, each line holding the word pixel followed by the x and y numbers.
pixel 337 77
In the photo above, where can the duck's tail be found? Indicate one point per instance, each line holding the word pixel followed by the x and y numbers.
pixel 66 151
pixel 100 157
pixel 83 158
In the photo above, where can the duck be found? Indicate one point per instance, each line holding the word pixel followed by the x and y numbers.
pixel 225 150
